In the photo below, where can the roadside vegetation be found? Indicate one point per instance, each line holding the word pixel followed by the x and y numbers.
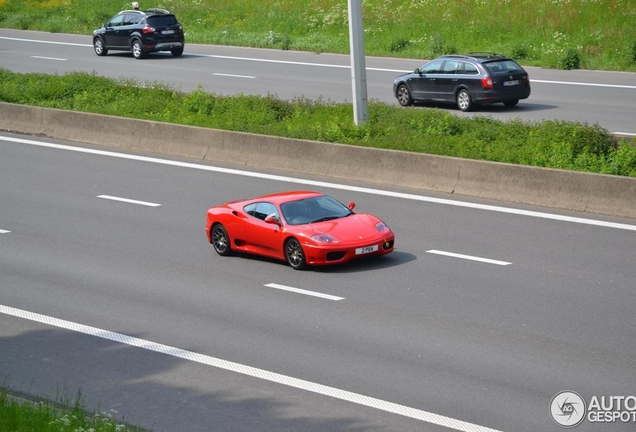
pixel 566 34
pixel 553 144
pixel 17 414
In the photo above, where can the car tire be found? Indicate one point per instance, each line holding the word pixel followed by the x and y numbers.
pixel 404 96
pixel 220 240
pixel 511 103
pixel 100 48
pixel 294 254
pixel 177 51
pixel 137 49
pixel 464 100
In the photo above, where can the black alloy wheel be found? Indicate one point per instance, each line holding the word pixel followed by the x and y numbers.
pixel 294 254
pixel 221 240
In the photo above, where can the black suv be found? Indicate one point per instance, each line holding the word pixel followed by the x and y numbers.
pixel 140 32
pixel 467 80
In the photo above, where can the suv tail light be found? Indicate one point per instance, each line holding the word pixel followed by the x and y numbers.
pixel 486 82
pixel 148 29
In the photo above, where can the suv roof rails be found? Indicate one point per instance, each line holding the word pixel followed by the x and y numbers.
pixel 157 11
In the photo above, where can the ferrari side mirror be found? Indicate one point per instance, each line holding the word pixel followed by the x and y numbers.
pixel 272 219
pixel 352 205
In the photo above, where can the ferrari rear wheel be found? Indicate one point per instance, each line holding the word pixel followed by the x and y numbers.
pixel 294 254
pixel 221 240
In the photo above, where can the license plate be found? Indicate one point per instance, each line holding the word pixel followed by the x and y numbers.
pixel 511 83
pixel 167 32
pixel 366 250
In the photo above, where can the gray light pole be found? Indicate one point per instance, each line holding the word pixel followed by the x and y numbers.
pixel 358 68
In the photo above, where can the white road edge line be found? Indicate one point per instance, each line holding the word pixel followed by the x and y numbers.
pixel 309 386
pixel 305 292
pixel 372 191
pixel 126 200
pixel 4 231
pixel 468 257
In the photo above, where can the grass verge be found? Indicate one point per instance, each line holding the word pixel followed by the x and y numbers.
pixel 19 414
pixel 552 144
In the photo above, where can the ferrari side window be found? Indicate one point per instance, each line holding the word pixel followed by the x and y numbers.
pixel 249 209
pixel 264 209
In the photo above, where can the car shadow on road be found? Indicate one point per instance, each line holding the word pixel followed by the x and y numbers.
pixel 490 109
pixel 150 56
pixel 369 263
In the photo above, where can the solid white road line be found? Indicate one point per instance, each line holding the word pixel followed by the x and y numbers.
pixel 468 257
pixel 251 371
pixel 302 291
pixel 130 201
pixel 285 179
pixel 4 231
pixel 45 42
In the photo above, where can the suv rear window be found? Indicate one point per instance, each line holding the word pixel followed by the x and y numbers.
pixel 502 66
pixel 161 21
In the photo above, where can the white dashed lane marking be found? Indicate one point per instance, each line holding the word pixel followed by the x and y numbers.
pixel 469 257
pixel 129 201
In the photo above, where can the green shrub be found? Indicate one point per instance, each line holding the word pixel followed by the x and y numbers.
pixel 571 59
pixel 399 45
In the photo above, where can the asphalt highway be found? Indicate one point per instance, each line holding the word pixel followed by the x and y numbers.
pixel 594 97
pixel 483 313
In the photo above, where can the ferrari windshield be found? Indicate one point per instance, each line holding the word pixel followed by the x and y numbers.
pixel 311 210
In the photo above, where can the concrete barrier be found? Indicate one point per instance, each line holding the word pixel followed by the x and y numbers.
pixel 584 192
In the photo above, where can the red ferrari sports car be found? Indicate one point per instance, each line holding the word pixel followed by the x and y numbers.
pixel 301 227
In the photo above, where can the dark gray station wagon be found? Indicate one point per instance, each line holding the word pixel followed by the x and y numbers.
pixel 466 80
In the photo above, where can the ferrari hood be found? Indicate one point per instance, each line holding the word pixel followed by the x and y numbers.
pixel 349 229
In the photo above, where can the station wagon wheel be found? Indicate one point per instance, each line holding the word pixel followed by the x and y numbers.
pixel 221 240
pixel 404 95
pixel 177 51
pixel 511 103
pixel 294 254
pixel 464 101
pixel 137 49
pixel 98 45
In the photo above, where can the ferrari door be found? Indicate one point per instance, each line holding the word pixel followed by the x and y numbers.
pixel 262 237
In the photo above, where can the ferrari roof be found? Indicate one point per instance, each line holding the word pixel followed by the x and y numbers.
pixel 283 197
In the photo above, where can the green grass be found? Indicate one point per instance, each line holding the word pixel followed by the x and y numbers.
pixel 554 144
pixel 545 33
pixel 21 415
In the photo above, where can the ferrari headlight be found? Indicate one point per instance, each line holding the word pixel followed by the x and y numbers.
pixel 382 228
pixel 324 238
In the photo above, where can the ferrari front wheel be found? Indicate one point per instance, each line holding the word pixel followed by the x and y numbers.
pixel 294 254
pixel 221 240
